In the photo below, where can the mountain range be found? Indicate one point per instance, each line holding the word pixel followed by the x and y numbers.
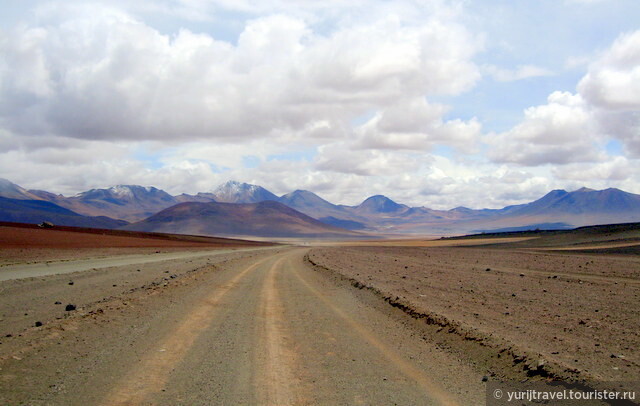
pixel 267 218
pixel 123 202
pixel 239 209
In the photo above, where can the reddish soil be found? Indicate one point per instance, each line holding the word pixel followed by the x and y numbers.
pixel 28 243
pixel 570 316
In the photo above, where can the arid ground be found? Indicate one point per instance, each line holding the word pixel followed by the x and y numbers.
pixel 238 323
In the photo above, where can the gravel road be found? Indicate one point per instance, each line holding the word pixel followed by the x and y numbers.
pixel 243 327
pixel 38 269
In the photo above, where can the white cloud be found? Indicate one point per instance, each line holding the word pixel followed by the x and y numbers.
pixel 577 62
pixel 415 124
pixel 559 132
pixel 612 87
pixel 573 128
pixel 340 158
pixel 101 74
pixel 521 72
pixel 616 169
pixel 613 82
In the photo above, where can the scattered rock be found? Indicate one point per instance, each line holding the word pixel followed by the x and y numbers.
pixel 58 302
pixel 70 282
pixel 70 307
pixel 38 323
pixel 488 270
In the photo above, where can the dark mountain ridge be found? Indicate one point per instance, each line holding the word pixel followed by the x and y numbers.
pixel 379 204
pixel 38 211
pixel 263 219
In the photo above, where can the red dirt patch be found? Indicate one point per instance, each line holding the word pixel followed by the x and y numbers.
pixel 28 242
pixel 16 235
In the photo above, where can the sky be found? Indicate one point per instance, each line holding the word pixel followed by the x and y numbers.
pixel 432 103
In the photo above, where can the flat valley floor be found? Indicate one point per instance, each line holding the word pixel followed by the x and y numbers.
pixel 390 323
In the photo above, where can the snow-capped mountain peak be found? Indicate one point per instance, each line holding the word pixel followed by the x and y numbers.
pixel 122 191
pixel 237 192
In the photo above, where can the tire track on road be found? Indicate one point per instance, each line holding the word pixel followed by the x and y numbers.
pixel 151 374
pixel 433 390
pixel 278 384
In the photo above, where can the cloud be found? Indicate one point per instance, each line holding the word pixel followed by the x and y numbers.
pixel 521 72
pixel 612 87
pixel 572 128
pixel 340 158
pixel 559 132
pixel 99 73
pixel 616 169
pixel 415 124
pixel 613 82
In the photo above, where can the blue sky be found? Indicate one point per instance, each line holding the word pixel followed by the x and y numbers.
pixel 436 103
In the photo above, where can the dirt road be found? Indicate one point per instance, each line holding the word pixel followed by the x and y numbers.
pixel 46 268
pixel 258 327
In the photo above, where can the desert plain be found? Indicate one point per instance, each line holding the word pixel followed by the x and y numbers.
pixel 159 319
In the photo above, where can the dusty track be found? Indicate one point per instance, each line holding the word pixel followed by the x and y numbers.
pixel 241 328
pixel 62 267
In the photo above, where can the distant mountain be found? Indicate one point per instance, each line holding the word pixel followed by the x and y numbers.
pixel 342 223
pixel 125 202
pixel 557 209
pixel 313 205
pixel 236 192
pixel 467 212
pixel 530 227
pixel 200 197
pixel 303 199
pixel 12 191
pixel 37 211
pixel 263 219
pixel 380 205
pixel 581 202
pixel 48 196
